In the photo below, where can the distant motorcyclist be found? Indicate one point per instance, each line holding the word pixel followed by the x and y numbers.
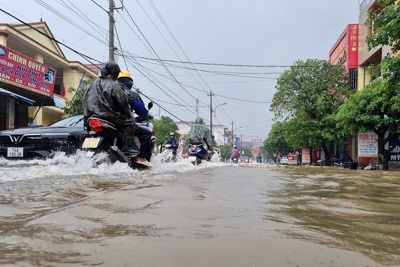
pixel 235 154
pixel 199 133
pixel 172 142
pixel 135 101
pixel 107 100
pixel 259 158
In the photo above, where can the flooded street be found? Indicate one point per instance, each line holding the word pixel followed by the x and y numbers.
pixel 64 212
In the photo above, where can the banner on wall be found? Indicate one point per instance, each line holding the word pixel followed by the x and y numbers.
pixel 368 145
pixel 25 72
pixel 305 156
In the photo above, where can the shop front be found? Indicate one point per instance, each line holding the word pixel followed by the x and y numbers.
pixel 35 76
pixel 345 53
pixel 23 82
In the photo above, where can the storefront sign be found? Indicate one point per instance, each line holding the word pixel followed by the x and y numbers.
pixel 345 51
pixel 305 156
pixel 367 145
pixel 395 153
pixel 25 72
pixel 292 159
pixel 59 102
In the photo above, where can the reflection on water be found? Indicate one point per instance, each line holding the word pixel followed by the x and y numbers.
pixel 62 212
pixel 348 209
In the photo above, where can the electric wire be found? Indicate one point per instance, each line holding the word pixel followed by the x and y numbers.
pixel 62 16
pixel 87 58
pixel 165 67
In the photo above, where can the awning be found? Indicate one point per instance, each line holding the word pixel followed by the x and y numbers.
pixel 19 97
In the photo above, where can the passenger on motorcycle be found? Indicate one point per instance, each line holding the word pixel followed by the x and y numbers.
pixel 235 154
pixel 135 101
pixel 107 100
pixel 173 142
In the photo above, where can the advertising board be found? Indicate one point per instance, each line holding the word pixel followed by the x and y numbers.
pixel 25 72
pixel 367 145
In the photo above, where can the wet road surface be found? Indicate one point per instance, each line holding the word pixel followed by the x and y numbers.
pixel 63 212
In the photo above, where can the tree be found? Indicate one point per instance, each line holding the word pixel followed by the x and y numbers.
pixel 385 30
pixel 162 128
pixel 308 96
pixel 74 106
pixel 376 108
pixel 276 141
pixel 225 151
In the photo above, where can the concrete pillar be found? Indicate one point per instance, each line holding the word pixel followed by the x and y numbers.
pixel 10 120
pixel 3 38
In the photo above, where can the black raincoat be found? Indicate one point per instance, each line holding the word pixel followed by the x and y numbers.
pixel 106 99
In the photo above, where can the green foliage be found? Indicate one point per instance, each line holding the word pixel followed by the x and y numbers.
pixel 385 28
pixel 225 151
pixel 74 107
pixel 376 108
pixel 162 128
pixel 276 141
pixel 246 151
pixel 307 98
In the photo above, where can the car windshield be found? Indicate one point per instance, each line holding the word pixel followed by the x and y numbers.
pixel 75 121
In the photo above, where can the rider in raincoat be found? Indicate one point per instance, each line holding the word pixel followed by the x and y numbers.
pixel 107 100
pixel 201 134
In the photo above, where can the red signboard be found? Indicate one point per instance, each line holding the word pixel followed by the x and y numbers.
pixel 345 51
pixel 305 155
pixel 25 72
pixel 292 159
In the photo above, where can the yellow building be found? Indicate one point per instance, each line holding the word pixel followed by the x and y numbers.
pixel 366 57
pixel 35 76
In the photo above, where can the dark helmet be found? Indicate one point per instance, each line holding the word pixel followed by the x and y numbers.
pixel 198 120
pixel 111 68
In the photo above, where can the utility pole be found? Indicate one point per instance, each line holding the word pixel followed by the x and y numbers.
pixel 232 133
pixel 111 30
pixel 211 109
pixel 197 107
pixel 241 142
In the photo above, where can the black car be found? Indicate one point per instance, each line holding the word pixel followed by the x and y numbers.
pixel 65 135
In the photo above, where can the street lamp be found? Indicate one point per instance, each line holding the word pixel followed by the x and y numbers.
pixel 211 111
pixel 215 110
pixel 232 132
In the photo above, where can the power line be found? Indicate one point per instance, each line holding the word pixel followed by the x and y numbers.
pixel 52 38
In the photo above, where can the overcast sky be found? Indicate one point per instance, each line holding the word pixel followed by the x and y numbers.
pixel 234 48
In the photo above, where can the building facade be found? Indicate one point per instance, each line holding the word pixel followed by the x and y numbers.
pixel 35 76
pixel 345 53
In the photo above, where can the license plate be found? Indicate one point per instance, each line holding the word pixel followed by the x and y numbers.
pixel 15 152
pixel 192 158
pixel 91 142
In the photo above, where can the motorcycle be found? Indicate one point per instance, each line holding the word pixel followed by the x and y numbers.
pixel 235 160
pixel 197 153
pixel 167 155
pixel 104 136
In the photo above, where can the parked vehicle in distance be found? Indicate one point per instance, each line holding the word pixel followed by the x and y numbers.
pixel 284 161
pixel 65 135
pixel 244 159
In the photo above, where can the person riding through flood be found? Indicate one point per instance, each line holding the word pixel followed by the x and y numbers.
pixel 173 142
pixel 235 154
pixel 135 101
pixel 107 100
pixel 199 133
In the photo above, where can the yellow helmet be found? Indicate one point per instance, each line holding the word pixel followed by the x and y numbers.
pixel 125 73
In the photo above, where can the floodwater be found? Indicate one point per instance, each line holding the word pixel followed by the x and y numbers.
pixel 64 212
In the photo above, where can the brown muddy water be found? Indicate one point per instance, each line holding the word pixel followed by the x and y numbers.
pixel 63 212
